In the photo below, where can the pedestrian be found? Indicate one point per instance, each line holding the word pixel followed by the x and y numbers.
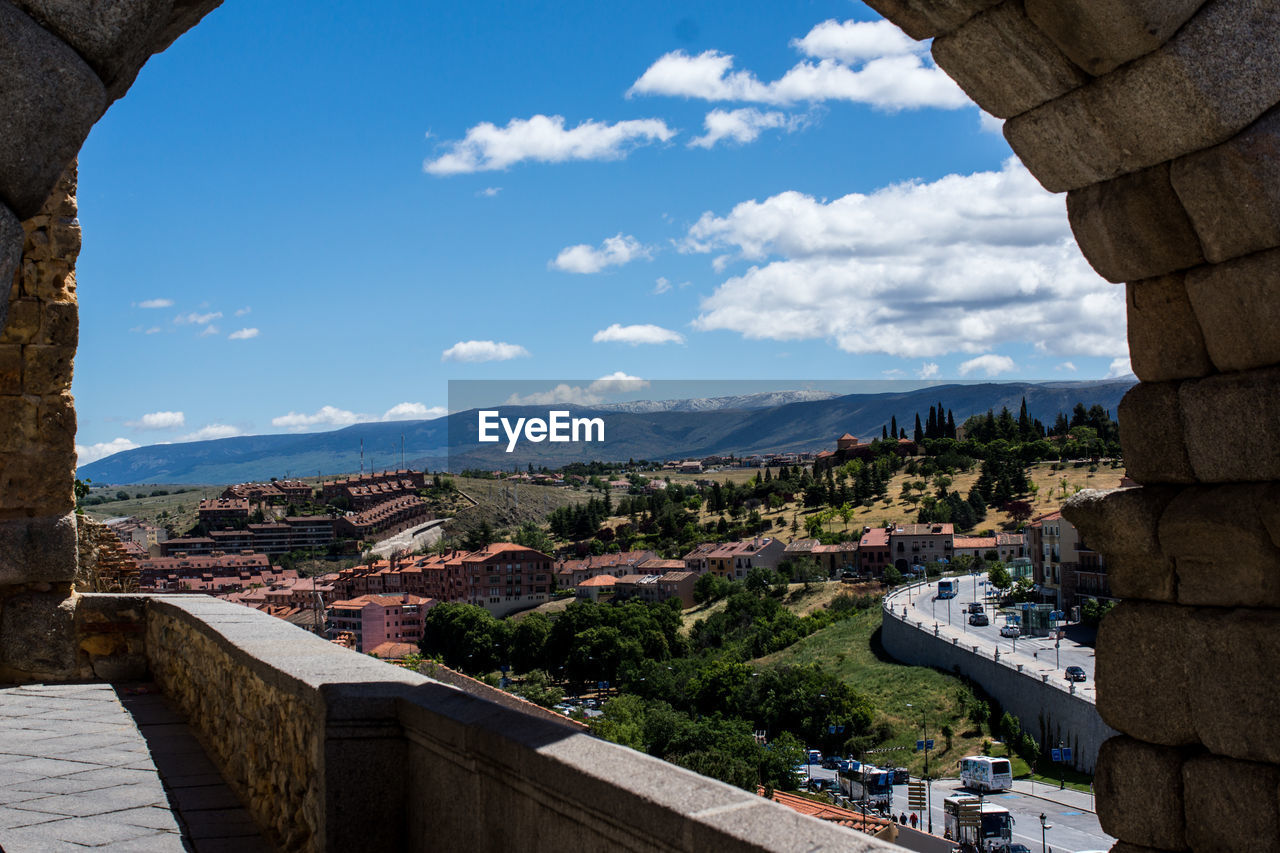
pixel 903 820
pixel 914 820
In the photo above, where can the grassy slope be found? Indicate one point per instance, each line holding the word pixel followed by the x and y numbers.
pixel 851 651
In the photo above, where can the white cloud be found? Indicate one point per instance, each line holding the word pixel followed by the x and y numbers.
pixel 325 416
pixel 661 285
pixel 928 370
pixel 212 431
pixel 613 252
pixel 194 319
pixel 93 452
pixel 1119 369
pixel 990 124
pixel 156 303
pixel 154 330
pixel 243 334
pixel 208 331
pixel 643 333
pixel 617 383
pixel 989 364
pixel 743 125
pixel 595 393
pixel 413 412
pixel 489 192
pixel 544 139
pixel 1067 366
pixel 240 312
pixel 473 351
pixel 962 264
pixel 159 420
pixel 857 41
pixel 890 81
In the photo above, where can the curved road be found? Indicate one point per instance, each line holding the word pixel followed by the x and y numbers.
pixel 1040 657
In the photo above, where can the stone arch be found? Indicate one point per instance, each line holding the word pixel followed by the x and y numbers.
pixel 1158 119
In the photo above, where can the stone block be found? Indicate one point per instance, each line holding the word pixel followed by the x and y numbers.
pixel 37 550
pixel 113 36
pixel 1100 35
pixel 1223 552
pixel 1185 96
pixel 1231 805
pixel 922 19
pixel 1232 191
pixel 37 483
pixel 1232 682
pixel 10 373
pixel 1002 61
pixel 1138 790
pixel 37 636
pixel 1229 424
pixel 1165 340
pixel 11 239
pixel 19 424
pixel 61 324
pixel 47 369
pixel 1124 524
pixel 57 422
pixel 50 99
pixel 1133 227
pixel 1236 307
pixel 1142 672
pixel 23 323
pixel 1151 434
pixel 1126 847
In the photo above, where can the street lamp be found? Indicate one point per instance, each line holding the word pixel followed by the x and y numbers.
pixel 1045 826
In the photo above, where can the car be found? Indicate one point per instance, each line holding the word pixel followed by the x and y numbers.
pixel 975 606
pixel 1076 673
pixel 979 619
pixel 831 762
pixel 1010 631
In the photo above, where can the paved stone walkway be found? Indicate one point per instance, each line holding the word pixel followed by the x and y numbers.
pixel 92 765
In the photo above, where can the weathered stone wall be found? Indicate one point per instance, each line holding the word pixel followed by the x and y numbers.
pixel 1051 714
pixel 102 564
pixel 335 751
pixel 1159 119
pixel 61 64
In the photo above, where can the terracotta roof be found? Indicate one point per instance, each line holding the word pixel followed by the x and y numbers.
pixel 393 651
pixel 822 811
pixel 975 542
pixel 876 537
pixel 598 580
pixel 846 437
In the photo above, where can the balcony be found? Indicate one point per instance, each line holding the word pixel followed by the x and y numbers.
pixel 330 750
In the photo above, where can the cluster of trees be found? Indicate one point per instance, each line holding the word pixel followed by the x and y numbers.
pixel 696 700
pixel 581 521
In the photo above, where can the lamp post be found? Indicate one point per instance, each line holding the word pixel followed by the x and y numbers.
pixel 924 729
pixel 1045 826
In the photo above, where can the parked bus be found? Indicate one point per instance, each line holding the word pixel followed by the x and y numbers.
pixel 982 773
pixel 868 784
pixel 946 589
pixel 995 833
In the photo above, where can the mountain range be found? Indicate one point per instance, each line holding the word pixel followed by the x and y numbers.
pixel 662 430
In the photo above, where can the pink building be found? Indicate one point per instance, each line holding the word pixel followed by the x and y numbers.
pixel 378 619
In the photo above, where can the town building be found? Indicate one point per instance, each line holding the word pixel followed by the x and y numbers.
pixel 873 551
pixel 570 573
pixel 918 544
pixel 216 512
pixel 1066 571
pixel 377 619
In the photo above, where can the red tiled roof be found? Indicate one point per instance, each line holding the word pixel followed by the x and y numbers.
pixel 822 811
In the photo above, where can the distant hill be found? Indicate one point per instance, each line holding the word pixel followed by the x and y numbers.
pixel 671 432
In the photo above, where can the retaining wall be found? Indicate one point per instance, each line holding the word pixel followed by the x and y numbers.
pixel 1051 714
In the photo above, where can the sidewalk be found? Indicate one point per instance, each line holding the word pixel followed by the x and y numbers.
pixel 1064 797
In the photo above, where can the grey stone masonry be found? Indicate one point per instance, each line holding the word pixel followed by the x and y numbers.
pixel 1217 75
pixel 49 99
pixel 1235 305
pixel 922 19
pixel 1101 35
pixel 11 238
pixel 1165 338
pixel 1020 67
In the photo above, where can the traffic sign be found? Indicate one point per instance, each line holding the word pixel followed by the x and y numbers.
pixel 928 744
pixel 970 815
pixel 919 745
pixel 1066 754
pixel 916 796
pixel 1056 755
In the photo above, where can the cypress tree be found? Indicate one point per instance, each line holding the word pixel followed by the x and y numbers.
pixel 931 425
pixel 884 433
pixel 951 425
pixel 919 437
pixel 893 425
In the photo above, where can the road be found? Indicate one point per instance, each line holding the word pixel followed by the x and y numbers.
pixel 1074 827
pixel 422 536
pixel 1038 655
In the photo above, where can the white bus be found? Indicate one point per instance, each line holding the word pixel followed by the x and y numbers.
pixel 981 773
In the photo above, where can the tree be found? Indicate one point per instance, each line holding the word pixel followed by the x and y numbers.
pixel 1019 511
pixel 999 576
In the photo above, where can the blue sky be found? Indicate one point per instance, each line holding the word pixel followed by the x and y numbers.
pixel 303 215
